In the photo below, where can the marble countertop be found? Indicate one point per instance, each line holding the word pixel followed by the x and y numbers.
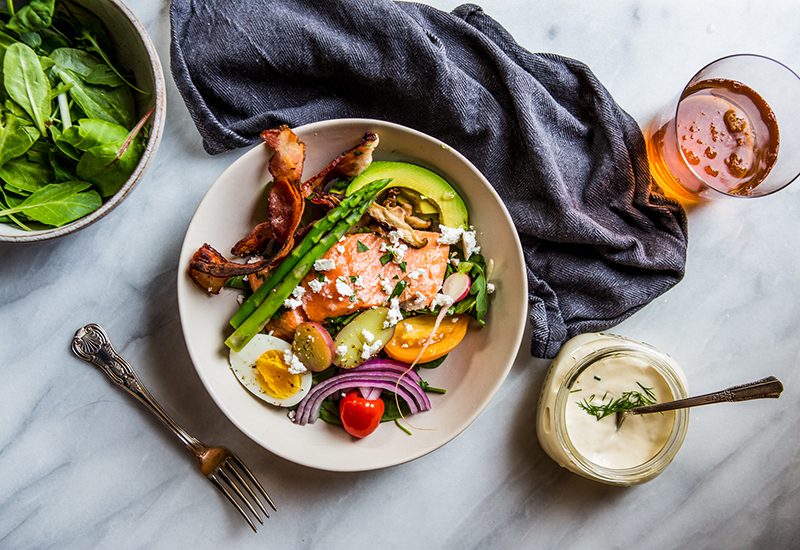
pixel 85 466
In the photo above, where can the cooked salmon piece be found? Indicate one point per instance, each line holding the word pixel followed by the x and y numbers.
pixel 284 326
pixel 351 277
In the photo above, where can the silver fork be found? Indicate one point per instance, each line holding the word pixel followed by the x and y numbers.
pixel 219 464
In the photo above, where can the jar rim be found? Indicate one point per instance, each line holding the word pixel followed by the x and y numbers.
pixel 656 464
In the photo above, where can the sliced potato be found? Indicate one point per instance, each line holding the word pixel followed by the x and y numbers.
pixel 313 346
pixel 362 338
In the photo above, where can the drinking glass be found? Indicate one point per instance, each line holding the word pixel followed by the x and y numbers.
pixel 734 131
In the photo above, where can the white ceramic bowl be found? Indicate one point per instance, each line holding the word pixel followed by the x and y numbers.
pixel 134 51
pixel 472 373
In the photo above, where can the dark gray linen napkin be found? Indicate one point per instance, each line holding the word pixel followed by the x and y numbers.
pixel 567 161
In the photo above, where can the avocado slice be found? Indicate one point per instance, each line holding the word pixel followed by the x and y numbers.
pixel 432 189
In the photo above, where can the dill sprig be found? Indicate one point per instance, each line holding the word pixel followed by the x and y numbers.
pixel 629 400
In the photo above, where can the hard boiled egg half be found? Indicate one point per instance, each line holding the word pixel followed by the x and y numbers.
pixel 266 367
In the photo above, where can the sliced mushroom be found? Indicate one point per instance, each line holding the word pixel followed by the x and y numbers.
pixel 400 220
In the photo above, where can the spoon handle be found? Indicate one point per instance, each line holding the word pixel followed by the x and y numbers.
pixel 766 387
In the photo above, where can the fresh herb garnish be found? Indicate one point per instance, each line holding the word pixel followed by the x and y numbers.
pixel 629 400
pixel 386 258
pixel 361 247
pixel 398 289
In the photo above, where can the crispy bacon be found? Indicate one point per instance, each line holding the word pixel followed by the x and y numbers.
pixel 290 153
pixel 255 242
pixel 210 269
pixel 349 163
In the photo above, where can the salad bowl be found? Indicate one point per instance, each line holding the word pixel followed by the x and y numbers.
pixel 135 53
pixel 471 374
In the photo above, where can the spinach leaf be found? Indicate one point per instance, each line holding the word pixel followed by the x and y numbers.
pixel 97 100
pixel 34 17
pixel 91 132
pixel 28 173
pixel 27 84
pixel 109 165
pixel 58 203
pixel 15 138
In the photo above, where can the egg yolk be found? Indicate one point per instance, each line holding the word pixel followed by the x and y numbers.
pixel 274 377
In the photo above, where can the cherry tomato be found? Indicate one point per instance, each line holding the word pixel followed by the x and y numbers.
pixel 412 333
pixel 359 416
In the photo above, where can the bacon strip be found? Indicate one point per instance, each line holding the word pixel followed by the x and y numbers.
pixel 285 201
pixel 255 242
pixel 349 163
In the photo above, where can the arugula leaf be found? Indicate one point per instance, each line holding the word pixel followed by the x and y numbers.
pixel 58 203
pixel 27 84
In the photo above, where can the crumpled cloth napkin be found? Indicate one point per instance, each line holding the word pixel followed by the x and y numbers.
pixel 567 161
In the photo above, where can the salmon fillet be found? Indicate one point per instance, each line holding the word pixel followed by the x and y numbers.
pixel 284 326
pixel 357 280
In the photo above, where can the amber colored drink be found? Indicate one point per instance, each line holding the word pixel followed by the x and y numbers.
pixel 724 136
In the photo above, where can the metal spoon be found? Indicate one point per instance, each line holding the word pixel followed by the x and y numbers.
pixel 766 387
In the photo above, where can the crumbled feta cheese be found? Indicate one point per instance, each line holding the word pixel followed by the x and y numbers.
pixel 489 288
pixel 417 301
pixel 394 237
pixel 294 301
pixel 442 300
pixel 397 251
pixel 371 349
pixel 470 244
pixel 340 248
pixel 449 235
pixel 368 336
pixel 324 264
pixel 341 350
pixel 295 365
pixel 358 282
pixel 343 288
pixel 395 315
pixel 240 299
pixel 291 303
pixel 316 285
pixel 292 414
pixel 387 286
pixel 254 259
pixel 414 275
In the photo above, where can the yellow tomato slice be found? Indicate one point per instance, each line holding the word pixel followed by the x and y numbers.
pixel 412 333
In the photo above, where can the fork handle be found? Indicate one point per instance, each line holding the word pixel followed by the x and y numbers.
pixel 765 387
pixel 91 344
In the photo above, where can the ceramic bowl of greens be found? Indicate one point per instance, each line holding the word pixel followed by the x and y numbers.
pixel 83 118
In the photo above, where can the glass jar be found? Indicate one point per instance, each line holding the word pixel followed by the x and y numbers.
pixel 607 353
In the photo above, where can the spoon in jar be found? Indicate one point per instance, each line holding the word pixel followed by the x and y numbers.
pixel 766 387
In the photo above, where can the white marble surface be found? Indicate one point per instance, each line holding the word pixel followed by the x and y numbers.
pixel 84 466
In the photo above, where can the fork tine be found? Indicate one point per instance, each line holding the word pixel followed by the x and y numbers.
pixel 224 475
pixel 244 483
pixel 225 492
pixel 253 480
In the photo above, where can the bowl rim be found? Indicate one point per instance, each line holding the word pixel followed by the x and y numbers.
pixel 516 331
pixel 156 133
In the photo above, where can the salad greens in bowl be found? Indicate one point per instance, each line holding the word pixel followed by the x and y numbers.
pixel 82 113
pixel 342 307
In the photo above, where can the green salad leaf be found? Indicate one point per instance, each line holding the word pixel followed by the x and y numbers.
pixel 69 135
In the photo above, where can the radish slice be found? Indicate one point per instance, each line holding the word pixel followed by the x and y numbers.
pixel 456 286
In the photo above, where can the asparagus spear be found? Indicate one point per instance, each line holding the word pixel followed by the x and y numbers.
pixel 261 316
pixel 312 237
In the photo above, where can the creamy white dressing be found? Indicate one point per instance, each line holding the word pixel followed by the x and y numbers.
pixel 640 437
pixel 594 449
